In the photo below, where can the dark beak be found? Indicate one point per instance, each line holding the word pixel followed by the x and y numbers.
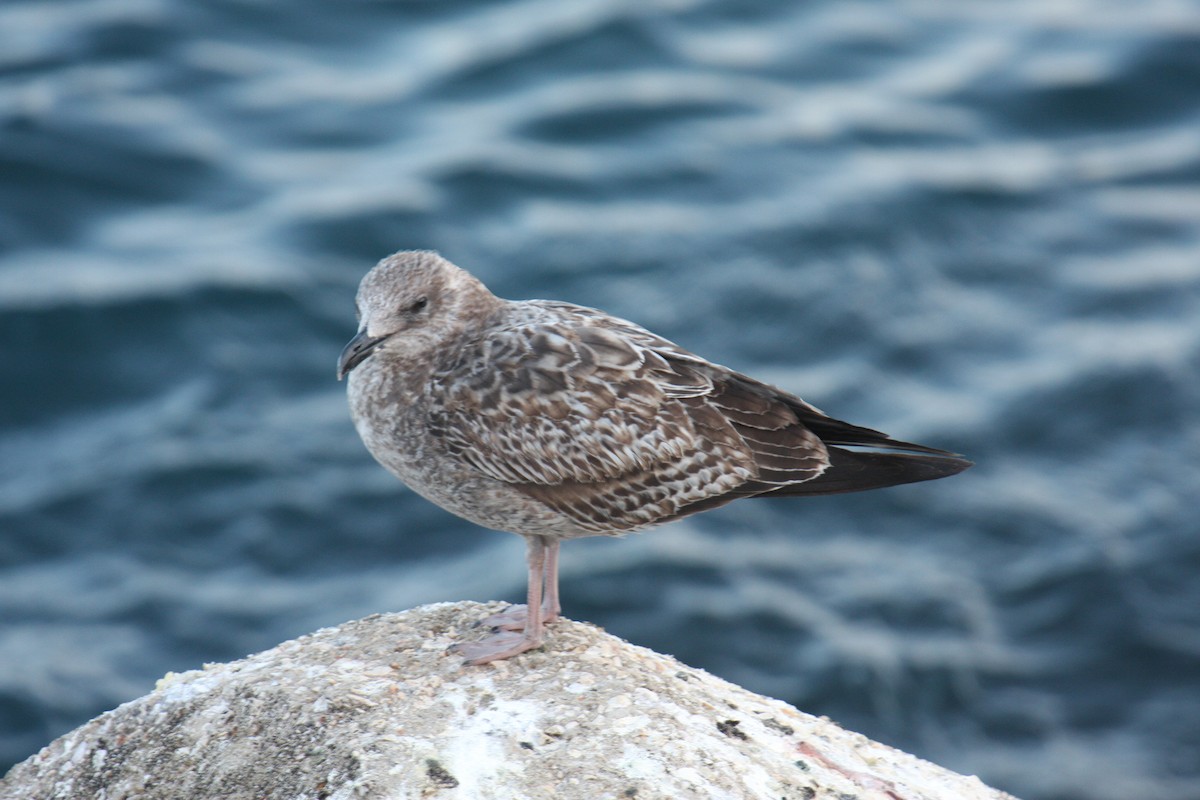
pixel 356 350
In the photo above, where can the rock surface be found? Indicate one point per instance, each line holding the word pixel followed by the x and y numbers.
pixel 377 709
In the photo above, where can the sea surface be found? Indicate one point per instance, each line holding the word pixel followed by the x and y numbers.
pixel 973 224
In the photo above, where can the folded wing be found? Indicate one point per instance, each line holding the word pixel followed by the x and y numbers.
pixel 617 429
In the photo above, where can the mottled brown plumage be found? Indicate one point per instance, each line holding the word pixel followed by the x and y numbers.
pixel 556 421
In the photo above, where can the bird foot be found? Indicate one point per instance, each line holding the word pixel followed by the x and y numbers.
pixel 496 647
pixel 514 618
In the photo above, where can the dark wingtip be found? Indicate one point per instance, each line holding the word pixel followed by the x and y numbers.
pixel 857 471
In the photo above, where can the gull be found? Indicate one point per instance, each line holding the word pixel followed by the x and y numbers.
pixel 556 421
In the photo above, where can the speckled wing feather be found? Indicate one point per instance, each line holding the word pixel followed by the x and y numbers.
pixel 611 426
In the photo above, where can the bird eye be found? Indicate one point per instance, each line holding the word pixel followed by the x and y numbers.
pixel 419 305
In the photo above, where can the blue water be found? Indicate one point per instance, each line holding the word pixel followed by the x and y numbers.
pixel 970 224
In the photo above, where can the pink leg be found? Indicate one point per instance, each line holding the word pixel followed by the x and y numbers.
pixel 551 608
pixel 514 618
pixel 506 644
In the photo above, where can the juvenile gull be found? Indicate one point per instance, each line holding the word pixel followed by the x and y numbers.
pixel 555 421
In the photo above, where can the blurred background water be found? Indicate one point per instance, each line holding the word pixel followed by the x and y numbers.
pixel 970 224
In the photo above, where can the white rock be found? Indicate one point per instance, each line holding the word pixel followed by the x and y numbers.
pixel 370 711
